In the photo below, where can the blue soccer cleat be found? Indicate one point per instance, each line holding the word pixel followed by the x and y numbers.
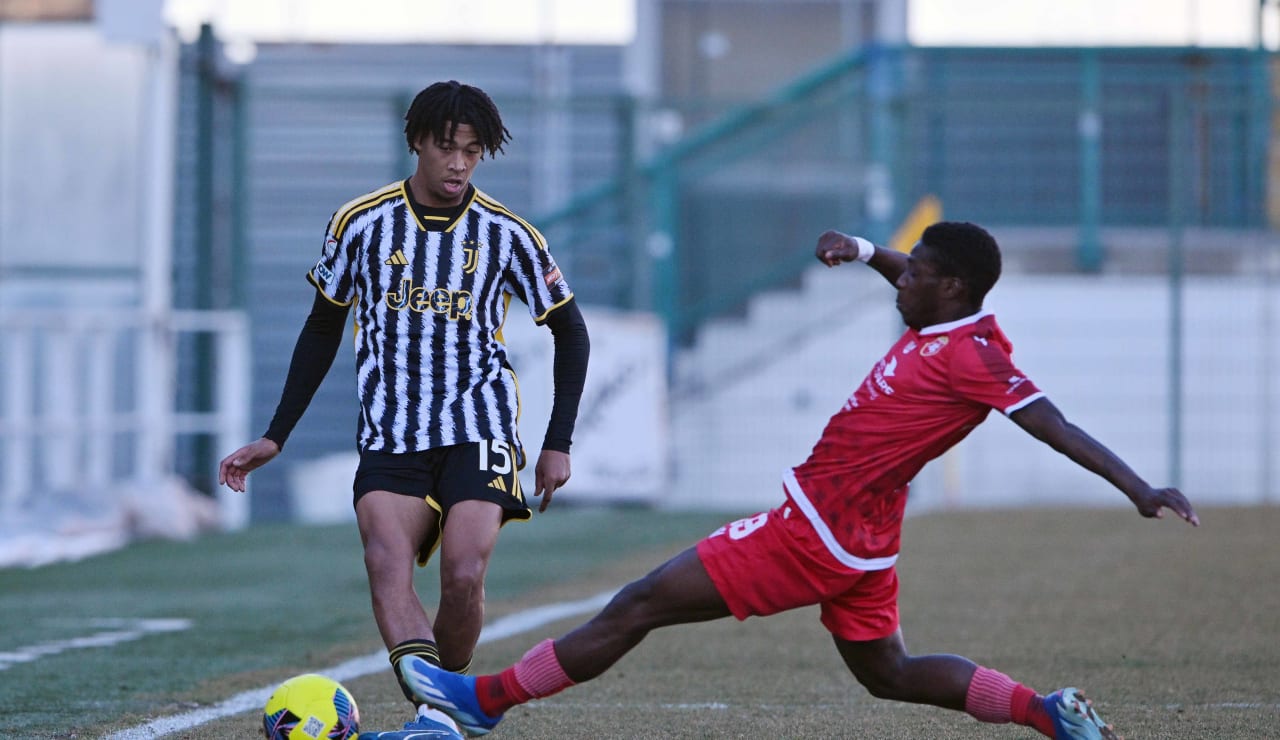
pixel 1074 718
pixel 452 693
pixel 430 724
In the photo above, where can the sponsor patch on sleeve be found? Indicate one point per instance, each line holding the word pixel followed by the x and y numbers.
pixel 552 275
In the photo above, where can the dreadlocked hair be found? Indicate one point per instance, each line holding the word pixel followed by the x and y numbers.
pixel 439 109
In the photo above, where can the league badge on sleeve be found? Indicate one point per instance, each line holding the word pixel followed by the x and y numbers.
pixel 551 275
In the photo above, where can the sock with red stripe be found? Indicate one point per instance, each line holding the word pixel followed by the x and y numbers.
pixel 536 675
pixel 994 697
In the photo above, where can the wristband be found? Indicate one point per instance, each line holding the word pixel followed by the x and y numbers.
pixel 866 250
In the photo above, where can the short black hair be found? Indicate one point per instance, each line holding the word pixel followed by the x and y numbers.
pixel 439 108
pixel 966 251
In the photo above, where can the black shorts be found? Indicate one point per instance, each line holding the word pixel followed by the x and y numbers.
pixel 443 476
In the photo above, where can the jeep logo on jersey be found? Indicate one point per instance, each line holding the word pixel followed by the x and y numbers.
pixel 455 304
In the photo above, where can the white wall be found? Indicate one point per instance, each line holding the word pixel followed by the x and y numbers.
pixel 1098 346
pixel 72 151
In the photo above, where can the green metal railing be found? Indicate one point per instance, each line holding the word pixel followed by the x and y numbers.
pixel 1081 139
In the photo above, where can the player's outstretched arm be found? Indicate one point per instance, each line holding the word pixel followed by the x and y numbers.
pixel 1046 423
pixel 835 247
pixel 235 467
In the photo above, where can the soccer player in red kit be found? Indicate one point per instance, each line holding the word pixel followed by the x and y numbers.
pixel 834 539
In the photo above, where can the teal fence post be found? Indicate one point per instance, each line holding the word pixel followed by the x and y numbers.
pixel 405 161
pixel 1179 149
pixel 240 196
pixel 202 452
pixel 1258 113
pixel 883 85
pixel 1089 250
pixel 662 245
pixel 631 203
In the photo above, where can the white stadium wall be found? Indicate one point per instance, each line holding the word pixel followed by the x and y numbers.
pixel 1098 346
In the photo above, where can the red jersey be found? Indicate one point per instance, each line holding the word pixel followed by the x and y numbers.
pixel 932 388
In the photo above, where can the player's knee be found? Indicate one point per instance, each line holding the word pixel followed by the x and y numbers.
pixel 879 686
pixel 882 681
pixel 462 578
pixel 383 558
pixel 635 606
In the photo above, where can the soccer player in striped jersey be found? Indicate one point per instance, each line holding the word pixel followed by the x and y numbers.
pixel 429 266
pixel 834 539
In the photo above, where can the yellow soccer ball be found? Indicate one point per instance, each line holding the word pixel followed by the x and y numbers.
pixel 311 707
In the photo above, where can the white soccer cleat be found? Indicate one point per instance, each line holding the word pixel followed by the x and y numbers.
pixel 1074 717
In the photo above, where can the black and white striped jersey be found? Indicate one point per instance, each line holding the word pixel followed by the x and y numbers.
pixel 430 291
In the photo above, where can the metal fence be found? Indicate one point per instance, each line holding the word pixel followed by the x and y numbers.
pixel 1063 142
pixel 87 408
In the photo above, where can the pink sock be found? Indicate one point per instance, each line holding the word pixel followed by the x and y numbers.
pixel 539 671
pixel 536 675
pixel 990 696
pixel 994 697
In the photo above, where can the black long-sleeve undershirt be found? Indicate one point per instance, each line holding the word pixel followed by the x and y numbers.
pixel 321 336
pixel 568 373
pixel 313 355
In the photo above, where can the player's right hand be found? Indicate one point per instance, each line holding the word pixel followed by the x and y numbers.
pixel 835 247
pixel 235 467
pixel 551 472
pixel 1155 500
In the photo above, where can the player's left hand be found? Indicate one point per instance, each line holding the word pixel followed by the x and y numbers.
pixel 1152 503
pixel 551 472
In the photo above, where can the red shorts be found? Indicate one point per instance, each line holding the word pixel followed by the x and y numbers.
pixel 775 561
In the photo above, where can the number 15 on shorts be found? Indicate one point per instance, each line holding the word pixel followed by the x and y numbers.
pixel 495 456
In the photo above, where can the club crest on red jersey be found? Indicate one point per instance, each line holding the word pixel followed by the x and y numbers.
pixel 934 347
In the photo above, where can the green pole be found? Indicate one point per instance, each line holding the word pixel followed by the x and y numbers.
pixel 882 87
pixel 1089 250
pixel 239 196
pixel 1257 126
pixel 662 245
pixel 206 78
pixel 403 159
pixel 631 202
pixel 202 452
pixel 1178 151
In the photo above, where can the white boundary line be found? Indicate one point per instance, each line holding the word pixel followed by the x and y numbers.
pixel 122 630
pixel 508 626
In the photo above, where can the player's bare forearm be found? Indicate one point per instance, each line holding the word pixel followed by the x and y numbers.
pixel 1150 502
pixel 1045 422
pixel 835 247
